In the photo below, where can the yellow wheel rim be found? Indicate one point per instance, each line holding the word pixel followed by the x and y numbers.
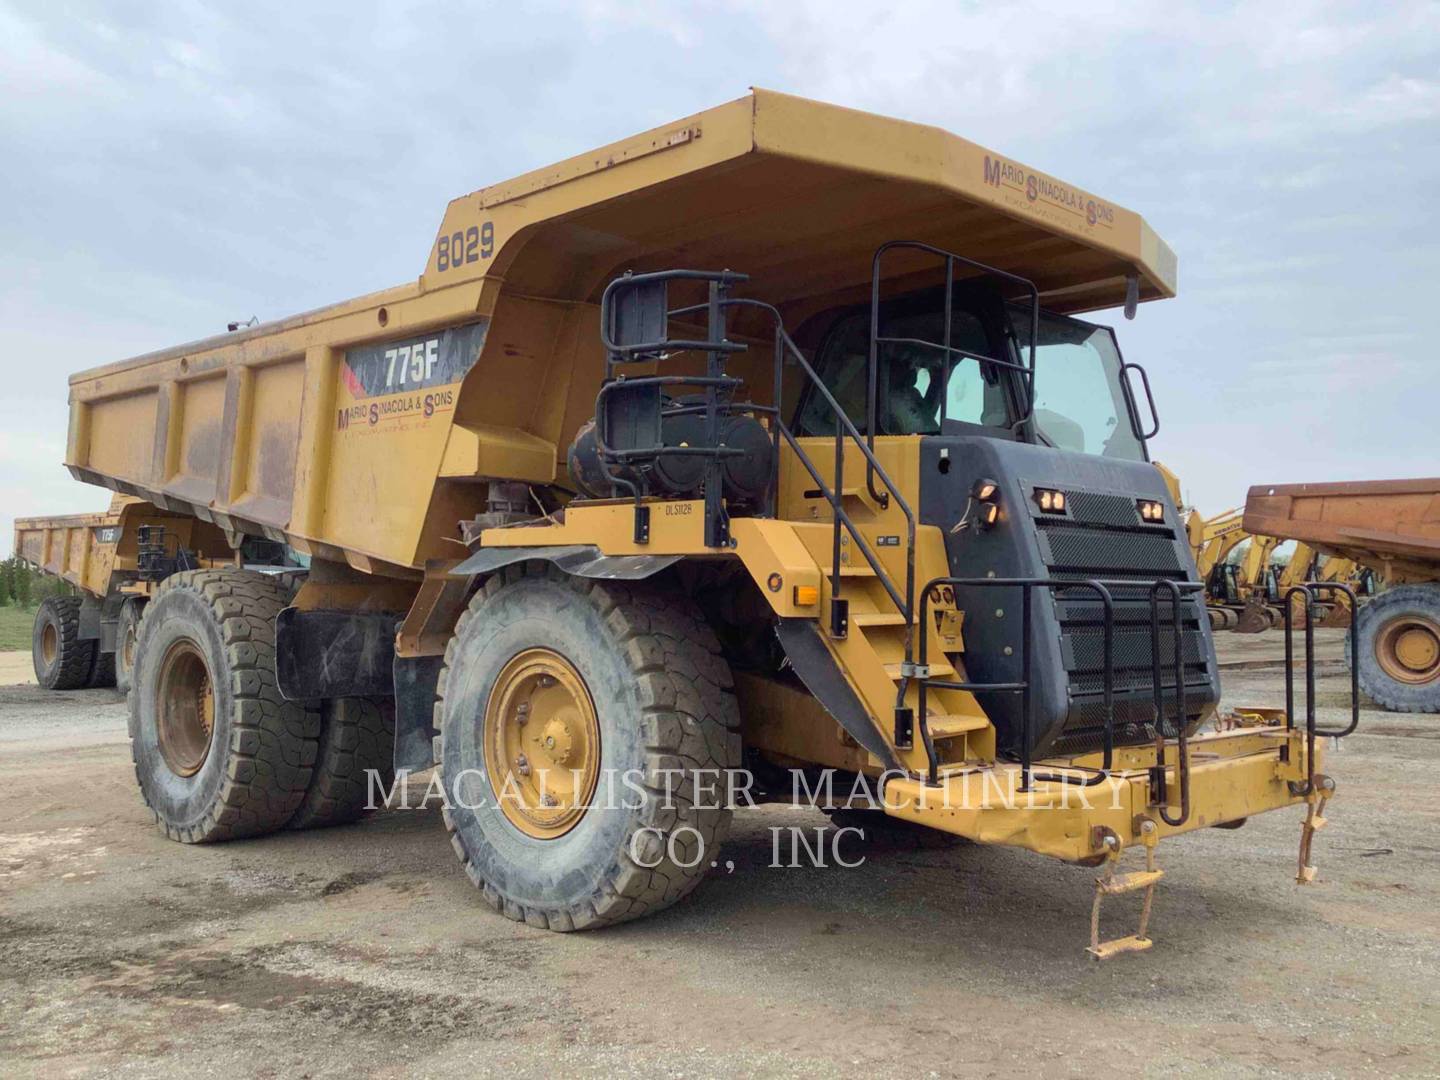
pixel 185 712
pixel 127 646
pixel 542 743
pixel 49 643
pixel 1408 649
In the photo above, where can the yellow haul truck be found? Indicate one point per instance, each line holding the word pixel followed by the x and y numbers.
pixel 764 440
pixel 113 560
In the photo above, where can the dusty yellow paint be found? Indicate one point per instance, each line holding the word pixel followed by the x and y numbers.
pixel 1233 775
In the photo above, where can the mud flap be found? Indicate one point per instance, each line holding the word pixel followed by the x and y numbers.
pixel 414 681
pixel 329 654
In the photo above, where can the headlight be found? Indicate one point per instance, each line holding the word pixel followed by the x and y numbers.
pixel 1150 510
pixel 1050 501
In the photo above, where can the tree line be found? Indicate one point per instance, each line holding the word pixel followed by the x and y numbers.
pixel 23 586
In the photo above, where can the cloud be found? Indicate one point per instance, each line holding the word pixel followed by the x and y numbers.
pixel 188 164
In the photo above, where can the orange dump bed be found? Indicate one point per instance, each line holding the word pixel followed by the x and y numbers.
pixel 1389 524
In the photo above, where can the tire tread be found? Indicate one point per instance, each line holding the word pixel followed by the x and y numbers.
pixel 356 735
pixel 690 721
pixel 75 658
pixel 273 741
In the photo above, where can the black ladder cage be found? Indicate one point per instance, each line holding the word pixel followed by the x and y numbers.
pixel 154 560
pixel 634 316
pixel 634 319
pixel 1310 590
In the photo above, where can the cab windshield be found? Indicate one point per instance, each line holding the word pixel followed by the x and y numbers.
pixel 1079 404
pixel 1079 401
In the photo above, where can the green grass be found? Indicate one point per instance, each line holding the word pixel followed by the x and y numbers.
pixel 15 626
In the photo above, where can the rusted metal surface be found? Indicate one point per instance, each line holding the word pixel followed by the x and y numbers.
pixel 1390 525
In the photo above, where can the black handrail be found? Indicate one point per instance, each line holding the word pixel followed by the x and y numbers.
pixel 784 346
pixel 1182 721
pixel 714 381
pixel 1023 687
pixel 876 339
pixel 1309 590
pixel 844 426
pixel 630 281
pixel 717 346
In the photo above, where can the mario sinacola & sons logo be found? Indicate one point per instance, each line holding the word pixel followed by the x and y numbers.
pixel 411 378
pixel 421 405
pixel 1038 188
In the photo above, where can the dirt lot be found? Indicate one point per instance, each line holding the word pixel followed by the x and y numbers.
pixel 364 949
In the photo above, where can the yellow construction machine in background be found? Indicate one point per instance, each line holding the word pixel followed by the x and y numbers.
pixel 1246 581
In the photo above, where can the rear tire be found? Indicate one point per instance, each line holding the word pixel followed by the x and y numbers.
pixel 1395 640
pixel 62 660
pixel 620 682
pixel 127 632
pixel 357 738
pixel 102 669
pixel 218 752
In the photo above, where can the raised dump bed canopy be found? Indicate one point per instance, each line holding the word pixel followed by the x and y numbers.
pixel 799 195
pixel 297 429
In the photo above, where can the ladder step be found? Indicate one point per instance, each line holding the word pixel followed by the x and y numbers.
pixel 1126 883
pixel 878 618
pixel 1106 949
pixel 938 669
pixel 861 569
pixel 947 727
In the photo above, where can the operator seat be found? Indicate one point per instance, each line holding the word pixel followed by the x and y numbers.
pixel 908 410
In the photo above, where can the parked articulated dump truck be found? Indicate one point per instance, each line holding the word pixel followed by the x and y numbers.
pixel 767 440
pixel 1392 527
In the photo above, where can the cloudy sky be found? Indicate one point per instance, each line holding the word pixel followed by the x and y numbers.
pixel 171 166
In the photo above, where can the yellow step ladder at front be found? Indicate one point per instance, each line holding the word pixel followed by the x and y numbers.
pixel 1112 884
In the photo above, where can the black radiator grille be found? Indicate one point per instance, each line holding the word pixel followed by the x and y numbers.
pixel 1104 539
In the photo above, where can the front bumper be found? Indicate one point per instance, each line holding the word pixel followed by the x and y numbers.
pixel 1233 775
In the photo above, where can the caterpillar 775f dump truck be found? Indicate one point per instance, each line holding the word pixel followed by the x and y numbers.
pixel 766 440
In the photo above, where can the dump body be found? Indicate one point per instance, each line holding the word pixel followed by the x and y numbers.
pixel 1392 526
pixel 358 432
pixel 100 553
pixel 78 548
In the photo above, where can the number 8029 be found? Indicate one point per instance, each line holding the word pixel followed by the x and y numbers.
pixel 458 248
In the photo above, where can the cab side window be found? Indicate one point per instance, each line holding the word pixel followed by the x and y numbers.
pixel 910 380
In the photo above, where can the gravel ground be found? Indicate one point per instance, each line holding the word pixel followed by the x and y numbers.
pixel 364 950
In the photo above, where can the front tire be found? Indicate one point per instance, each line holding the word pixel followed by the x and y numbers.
pixel 218 752
pixel 62 660
pixel 567 707
pixel 1395 640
